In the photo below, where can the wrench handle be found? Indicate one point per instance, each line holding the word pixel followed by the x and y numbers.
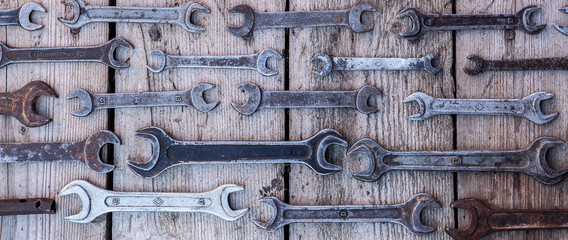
pixel 301 19
pixel 514 220
pixel 9 17
pixel 512 107
pixel 241 62
pixel 171 202
pixel 298 214
pixel 462 22
pixel 27 206
pixel 79 54
pixel 308 99
pixel 146 99
pixel 41 152
pixel 526 64
pixel 346 63
pixel 132 14
pixel 7 102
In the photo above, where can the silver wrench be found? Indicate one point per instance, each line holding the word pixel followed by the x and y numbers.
pixel 254 62
pixel 92 101
pixel 562 29
pixel 351 63
pixel 259 99
pixel 21 16
pixel 528 107
pixel 181 15
pixel 97 201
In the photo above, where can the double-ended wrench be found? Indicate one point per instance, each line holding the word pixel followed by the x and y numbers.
pixel 21 16
pixel 367 64
pixel 481 65
pixel 27 206
pixel 21 103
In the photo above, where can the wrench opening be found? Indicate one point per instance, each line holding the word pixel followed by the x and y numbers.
pixel 92 148
pixel 478 225
pixel 198 99
pixel 24 108
pixel 539 167
pixel 245 30
pixel 161 55
pixel 423 100
pixel 536 115
pixel 526 15
pixel 322 140
pixel 110 59
pixel 159 160
pixel 86 100
pixel 477 65
pixel 363 101
pixel 370 150
pixel 76 7
pixel 253 100
pixel 413 208
pixel 415 19
pixel 431 63
pixel 327 64
pixel 356 14
pixel 192 9
pixel 25 14
pixel 562 29
pixel 277 214
pixel 262 61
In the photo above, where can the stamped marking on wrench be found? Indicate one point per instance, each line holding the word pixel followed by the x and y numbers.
pixel 262 20
pixel 97 201
pixel 481 65
pixel 259 99
pixel 21 16
pixel 562 29
pixel 351 64
pixel 256 62
pixel 528 107
pixel 21 103
pixel 181 15
pixel 27 206
pixel 168 152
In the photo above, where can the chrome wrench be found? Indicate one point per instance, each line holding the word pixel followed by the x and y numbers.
pixel 21 16
pixel 353 64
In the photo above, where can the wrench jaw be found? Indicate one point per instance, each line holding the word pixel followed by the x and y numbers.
pixel 186 11
pixel 110 48
pixel 478 221
pixel 534 111
pixel 364 97
pixel 161 55
pixel 78 20
pixel 428 66
pixel 221 207
pixel 538 167
pixel 93 145
pixel 86 192
pixel 416 17
pixel 159 161
pixel 262 61
pixel 355 17
pixel 253 101
pixel 25 14
pixel 245 30
pixel 198 100
pixel 86 99
pixel 526 18
pixel 562 29
pixel 477 68
pixel 327 64
pixel 424 102
pixel 319 143
pixel 412 211
pixel 375 154
pixel 24 107
pixel 277 221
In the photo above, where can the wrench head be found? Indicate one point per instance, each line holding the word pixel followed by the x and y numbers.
pixel 478 220
pixel 93 146
pixel 417 18
pixel 245 30
pixel 253 101
pixel 327 64
pixel 193 7
pixel 24 109
pixel 262 61
pixel 375 154
pixel 355 17
pixel 319 144
pixel 412 210
pixel 538 167
pixel 428 66
pixel 198 100
pixel 110 48
pixel 85 98
pixel 424 102
pixel 159 161
pixel 562 29
pixel 224 210
pixel 277 221
pixel 86 192
pixel 477 63
pixel 363 98
pixel 161 55
pixel 534 111
pixel 79 19
pixel 526 19
pixel 25 13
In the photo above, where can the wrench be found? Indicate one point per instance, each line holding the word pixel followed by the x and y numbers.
pixel 168 152
pixel 254 62
pixel 97 201
pixel 531 161
pixel 484 220
pixel 406 214
pixel 86 151
pixel 446 22
pixel 21 16
pixel 259 99
pixel 83 14
pixel 92 101
pixel 27 206
pixel 349 63
pixel 262 20
pixel 480 65
pixel 103 54
pixel 562 29
pixel 21 103
pixel 527 107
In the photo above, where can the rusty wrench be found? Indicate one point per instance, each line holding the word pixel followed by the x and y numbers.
pixel 446 22
pixel 481 65
pixel 259 99
pixel 27 206
pixel 21 103
pixel 351 63
pixel 262 20
pixel 168 152
pixel 21 16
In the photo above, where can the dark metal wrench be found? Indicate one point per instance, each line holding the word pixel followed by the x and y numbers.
pixel 531 161
pixel 259 99
pixel 27 206
pixel 351 63
pixel 168 152
pixel 261 20
pixel 481 65
pixel 446 22
pixel 21 103
pixel 484 220
pixel 406 214
pixel 21 16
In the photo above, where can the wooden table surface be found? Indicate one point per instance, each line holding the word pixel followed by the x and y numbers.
pixel 295 184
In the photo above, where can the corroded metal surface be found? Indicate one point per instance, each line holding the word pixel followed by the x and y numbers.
pixel 21 103
pixel 366 64
pixel 27 206
pixel 481 65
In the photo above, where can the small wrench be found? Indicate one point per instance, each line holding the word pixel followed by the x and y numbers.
pixel 168 152
pixel 83 14
pixel 562 29
pixel 258 99
pixel 21 103
pixel 97 201
pixel 92 101
pixel 406 214
pixel 446 22
pixel 254 62
pixel 86 151
pixel 262 20
pixel 103 54
pixel 531 161
pixel 21 16
pixel 27 206
pixel 349 63
pixel 527 107
pixel 484 220
pixel 481 65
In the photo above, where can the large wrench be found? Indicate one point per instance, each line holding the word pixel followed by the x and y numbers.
pixel 481 65
pixel 168 152
pixel 258 99
pixel 254 62
pixel 21 16
pixel 350 63
pixel 443 22
pixel 530 161
pixel 262 20
pixel 27 206
pixel 97 201
pixel 92 101
pixel 528 107
pixel 21 103
pixel 181 15
pixel 406 214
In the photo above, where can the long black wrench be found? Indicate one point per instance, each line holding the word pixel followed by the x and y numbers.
pixel 481 65
pixel 27 206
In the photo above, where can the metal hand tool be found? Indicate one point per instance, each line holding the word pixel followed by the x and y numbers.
pixel 97 201
pixel 481 65
pixel 86 151
pixel 21 103
pixel 262 20
pixel 446 22
pixel 562 29
pixel 103 54
pixel 406 214
pixel 92 101
pixel 27 206
pixel 527 107
pixel 168 152
pixel 258 99
pixel 181 15
pixel 484 220
pixel 349 63
pixel 254 62
pixel 530 161
pixel 21 16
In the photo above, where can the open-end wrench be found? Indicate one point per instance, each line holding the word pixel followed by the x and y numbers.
pixel 484 220
pixel 86 151
pixel 168 152
pixel 97 201
pixel 531 161
pixel 181 15
pixel 258 99
pixel 562 29
pixel 262 20
pixel 21 103
pixel 92 101
pixel 21 16
pixel 406 214
pixel 351 63
pixel 27 206
pixel 446 22
pixel 481 65
pixel 527 107
pixel 254 62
